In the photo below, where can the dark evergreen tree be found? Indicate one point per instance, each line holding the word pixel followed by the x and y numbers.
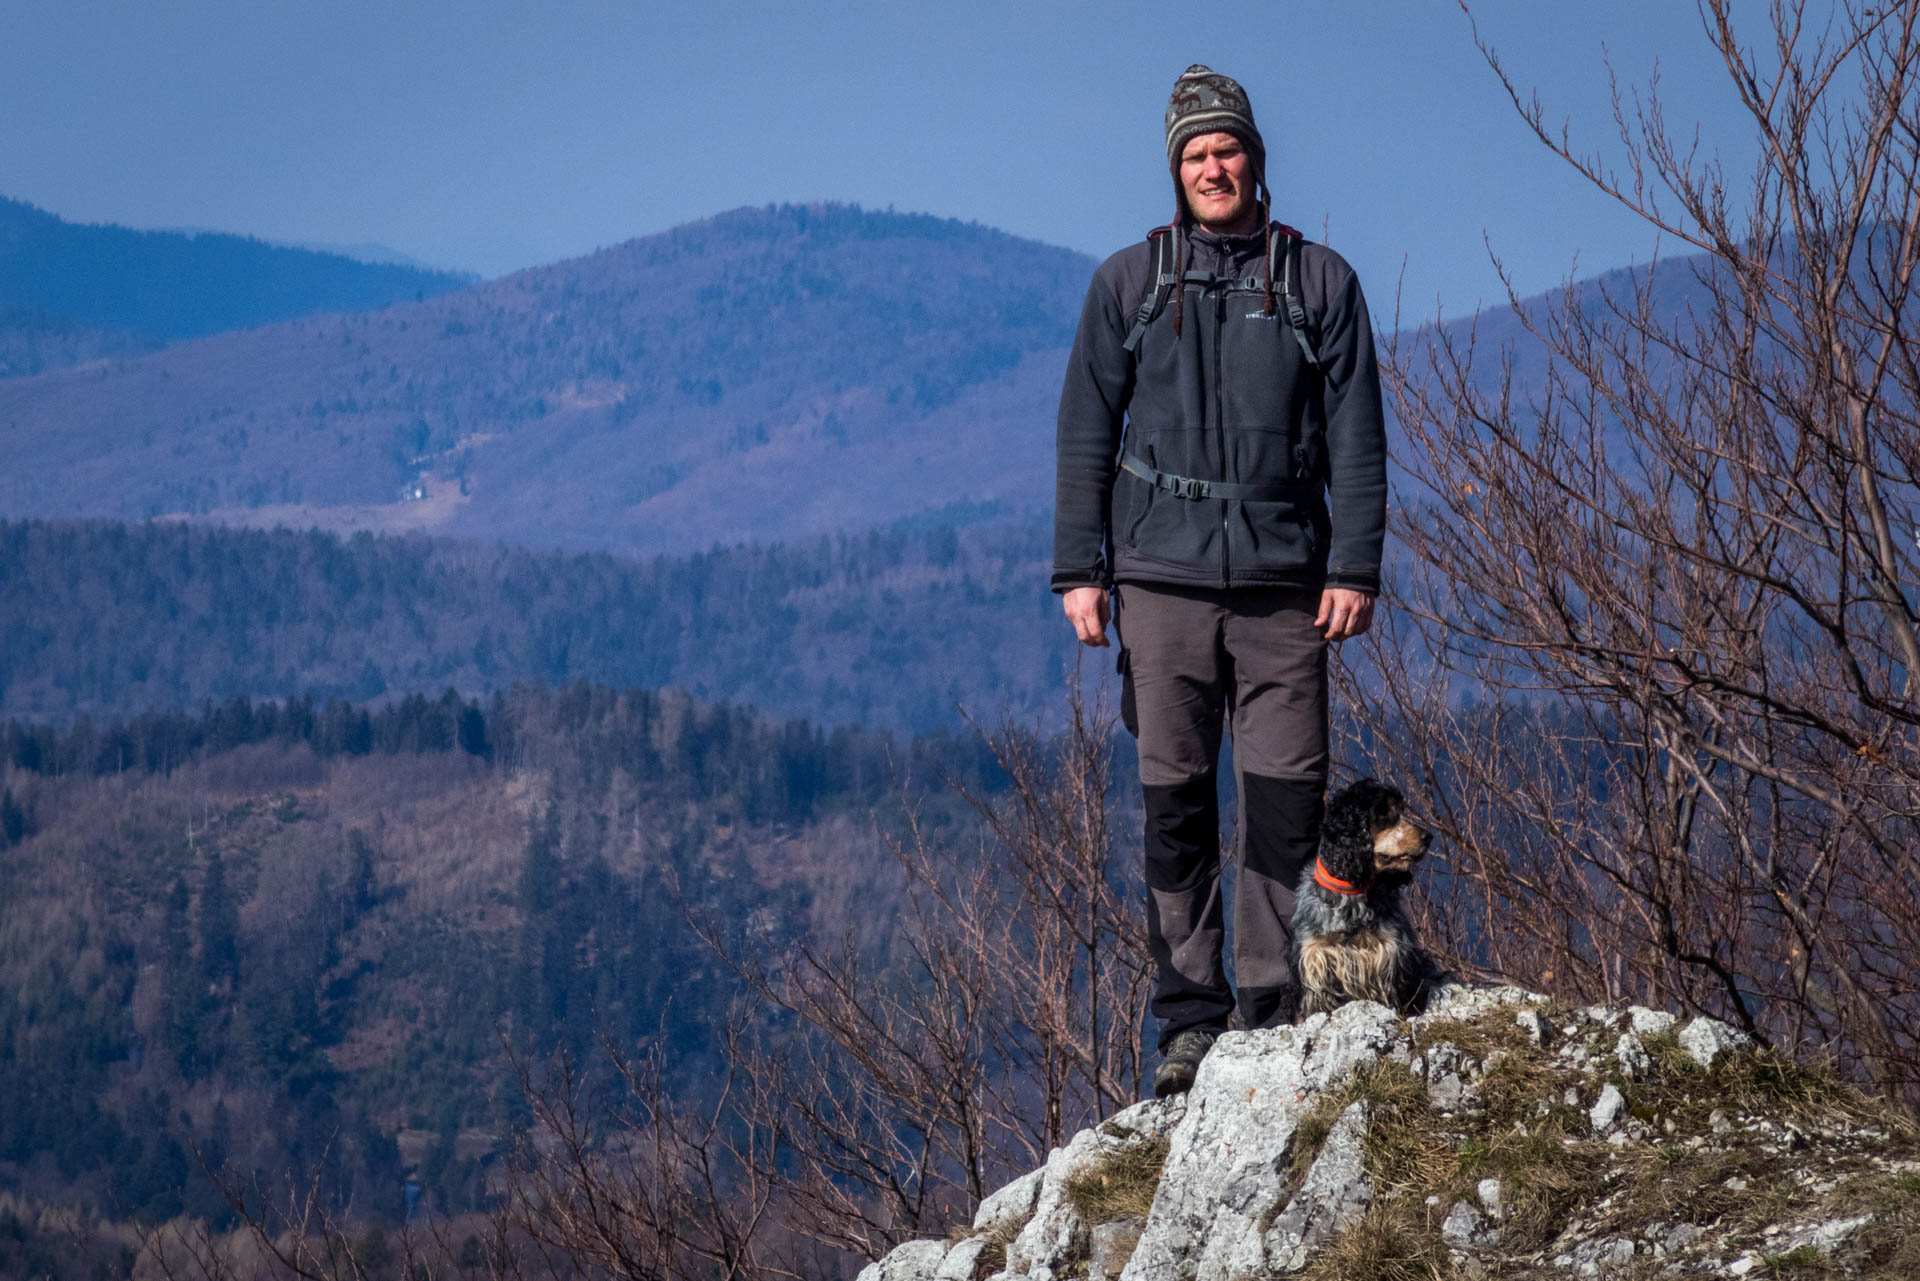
pixel 184 982
pixel 13 820
pixel 362 888
pixel 219 925
pixel 473 732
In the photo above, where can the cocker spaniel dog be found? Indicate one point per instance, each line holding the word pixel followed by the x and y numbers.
pixel 1351 941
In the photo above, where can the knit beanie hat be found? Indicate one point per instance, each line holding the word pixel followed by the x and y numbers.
pixel 1204 101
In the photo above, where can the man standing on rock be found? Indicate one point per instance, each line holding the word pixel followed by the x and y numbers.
pixel 1222 498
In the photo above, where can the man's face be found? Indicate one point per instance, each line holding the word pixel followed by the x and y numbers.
pixel 1217 174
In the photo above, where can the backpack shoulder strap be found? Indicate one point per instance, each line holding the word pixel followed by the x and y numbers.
pixel 1161 279
pixel 1284 244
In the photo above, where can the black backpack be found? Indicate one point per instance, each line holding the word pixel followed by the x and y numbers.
pixel 1164 279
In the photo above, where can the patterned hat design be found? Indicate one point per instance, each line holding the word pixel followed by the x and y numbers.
pixel 1204 101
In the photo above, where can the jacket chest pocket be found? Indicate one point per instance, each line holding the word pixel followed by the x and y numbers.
pixel 1269 398
pixel 1264 383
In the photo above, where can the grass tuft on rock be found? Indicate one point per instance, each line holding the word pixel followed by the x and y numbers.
pixel 1384 1244
pixel 993 1255
pixel 1121 1184
pixel 1527 1125
pixel 1385 1085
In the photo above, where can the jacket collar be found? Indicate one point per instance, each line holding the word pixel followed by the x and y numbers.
pixel 1235 248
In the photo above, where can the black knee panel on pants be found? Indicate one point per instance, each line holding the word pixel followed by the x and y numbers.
pixel 1283 825
pixel 1182 832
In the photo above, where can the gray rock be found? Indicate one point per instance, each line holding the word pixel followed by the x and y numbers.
pixel 1448 1093
pixel 1011 1205
pixel 1827 1237
pixel 1607 1109
pixel 1111 1245
pixel 909 1261
pixel 1598 1258
pixel 1443 1058
pixel 962 1262
pixel 1706 1040
pixel 1150 1119
pixel 1334 1194
pixel 1223 1177
pixel 1717 1122
pixel 1056 1233
pixel 1219 1212
pixel 1648 1022
pixel 1055 1236
pixel 1605 1015
pixel 1467 1266
pixel 1633 1058
pixel 1462 1226
pixel 1682 1236
pixel 1459 1001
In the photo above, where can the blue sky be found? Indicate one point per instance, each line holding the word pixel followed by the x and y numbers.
pixel 492 135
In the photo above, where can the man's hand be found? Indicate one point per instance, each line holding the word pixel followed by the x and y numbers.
pixel 1088 611
pixel 1344 613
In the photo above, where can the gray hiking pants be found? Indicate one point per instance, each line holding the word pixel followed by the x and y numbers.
pixel 1196 660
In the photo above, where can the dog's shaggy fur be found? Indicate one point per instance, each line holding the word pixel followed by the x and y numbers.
pixel 1351 941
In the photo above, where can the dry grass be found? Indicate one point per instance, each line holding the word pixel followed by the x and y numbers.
pixel 1121 1185
pixel 993 1256
pixel 1384 1084
pixel 1764 1082
pixel 1524 1135
pixel 1552 1168
pixel 1386 1244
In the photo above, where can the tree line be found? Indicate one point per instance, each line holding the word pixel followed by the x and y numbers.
pixel 103 619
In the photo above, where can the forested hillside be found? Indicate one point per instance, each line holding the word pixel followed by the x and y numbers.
pixel 33 340
pixel 895 628
pixel 71 292
pixel 763 375
pixel 297 936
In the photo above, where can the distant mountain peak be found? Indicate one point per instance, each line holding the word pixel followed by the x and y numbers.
pixel 169 285
pixel 771 372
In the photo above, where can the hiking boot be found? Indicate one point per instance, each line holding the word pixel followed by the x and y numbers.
pixel 1182 1060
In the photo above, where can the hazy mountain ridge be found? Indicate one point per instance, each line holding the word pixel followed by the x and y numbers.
pixel 764 374
pixel 149 287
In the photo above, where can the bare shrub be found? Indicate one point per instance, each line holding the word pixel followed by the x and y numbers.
pixel 1653 651
pixel 1007 1012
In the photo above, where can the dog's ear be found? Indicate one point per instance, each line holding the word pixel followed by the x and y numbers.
pixel 1380 801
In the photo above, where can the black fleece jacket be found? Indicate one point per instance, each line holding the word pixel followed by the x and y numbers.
pixel 1220 391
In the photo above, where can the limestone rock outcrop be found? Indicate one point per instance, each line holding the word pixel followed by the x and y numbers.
pixel 1494 1134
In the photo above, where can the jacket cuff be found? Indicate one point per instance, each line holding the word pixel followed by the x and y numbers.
pixel 1065 580
pixel 1368 583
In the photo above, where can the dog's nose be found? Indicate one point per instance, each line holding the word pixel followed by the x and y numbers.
pixel 1404 840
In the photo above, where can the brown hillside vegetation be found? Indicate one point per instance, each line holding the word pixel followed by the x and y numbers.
pixel 306 945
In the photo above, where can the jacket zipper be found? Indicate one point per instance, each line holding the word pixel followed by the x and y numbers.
pixel 1219 411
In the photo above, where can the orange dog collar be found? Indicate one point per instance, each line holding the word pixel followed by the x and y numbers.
pixel 1328 881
